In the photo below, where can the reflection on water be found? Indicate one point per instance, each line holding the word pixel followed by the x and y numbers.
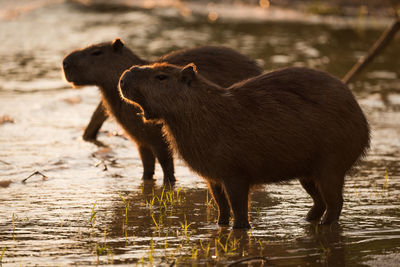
pixel 79 213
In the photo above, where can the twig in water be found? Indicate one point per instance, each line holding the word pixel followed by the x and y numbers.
pixel 5 162
pixel 379 45
pixel 103 164
pixel 247 259
pixel 44 177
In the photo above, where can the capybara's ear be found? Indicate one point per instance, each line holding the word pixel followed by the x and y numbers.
pixel 117 44
pixel 188 72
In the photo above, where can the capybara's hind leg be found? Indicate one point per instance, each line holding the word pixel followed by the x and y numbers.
pixel 166 161
pixel 96 121
pixel 219 196
pixel 237 192
pixel 318 209
pixel 331 187
pixel 148 160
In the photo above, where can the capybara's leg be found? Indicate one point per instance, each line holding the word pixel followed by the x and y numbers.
pixel 148 160
pixel 238 195
pixel 318 209
pixel 224 211
pixel 96 121
pixel 331 187
pixel 164 156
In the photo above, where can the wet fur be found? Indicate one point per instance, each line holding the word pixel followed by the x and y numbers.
pixel 287 124
pixel 102 65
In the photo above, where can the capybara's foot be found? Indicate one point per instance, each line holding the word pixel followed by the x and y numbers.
pixel 169 180
pixel 329 219
pixel 89 137
pixel 241 224
pixel 96 142
pixel 315 213
pixel 147 176
pixel 223 220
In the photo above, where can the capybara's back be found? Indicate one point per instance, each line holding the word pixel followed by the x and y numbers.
pixel 286 124
pixel 221 65
pixel 307 121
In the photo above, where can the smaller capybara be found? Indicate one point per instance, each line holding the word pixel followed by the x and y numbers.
pixel 102 65
pixel 291 123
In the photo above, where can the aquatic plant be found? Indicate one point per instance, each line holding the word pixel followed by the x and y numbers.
pixel 155 223
pixel 93 215
pixel 125 220
pixel 13 227
pixel 2 254
pixel 185 227
pixel 386 183
pixel 194 252
pixel 151 251
pixel 208 199
pixel 206 249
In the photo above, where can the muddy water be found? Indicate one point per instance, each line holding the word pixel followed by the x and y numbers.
pixel 88 205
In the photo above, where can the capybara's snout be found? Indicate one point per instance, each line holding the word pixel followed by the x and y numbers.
pixel 125 80
pixel 66 67
pixel 65 63
pixel 126 83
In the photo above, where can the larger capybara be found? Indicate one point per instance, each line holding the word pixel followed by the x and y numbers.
pixel 291 123
pixel 102 65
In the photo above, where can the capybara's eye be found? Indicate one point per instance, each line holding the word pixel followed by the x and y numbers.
pixel 96 52
pixel 161 77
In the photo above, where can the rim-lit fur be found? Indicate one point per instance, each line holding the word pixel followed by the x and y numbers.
pixel 102 65
pixel 286 124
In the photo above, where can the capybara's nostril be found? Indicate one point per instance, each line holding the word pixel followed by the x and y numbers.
pixel 65 64
pixel 122 81
pixel 125 79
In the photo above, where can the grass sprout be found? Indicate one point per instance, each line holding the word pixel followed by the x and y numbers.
pixel 93 215
pixel 208 199
pixel 2 254
pixel 101 250
pixel 206 249
pixel 13 226
pixel 185 227
pixel 386 183
pixel 151 251
pixel 155 223
pixel 194 252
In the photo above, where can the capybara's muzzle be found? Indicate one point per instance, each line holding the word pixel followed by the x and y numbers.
pixel 125 80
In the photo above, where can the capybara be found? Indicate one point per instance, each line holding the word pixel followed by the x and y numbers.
pixel 291 123
pixel 102 65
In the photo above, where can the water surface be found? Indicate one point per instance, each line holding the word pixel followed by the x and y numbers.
pixel 76 213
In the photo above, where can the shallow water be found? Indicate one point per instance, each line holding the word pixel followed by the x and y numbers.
pixel 73 211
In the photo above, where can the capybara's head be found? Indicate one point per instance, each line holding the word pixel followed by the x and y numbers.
pixel 155 87
pixel 98 63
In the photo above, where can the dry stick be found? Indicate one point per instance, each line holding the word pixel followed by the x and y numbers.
pixel 5 162
pixel 34 173
pixel 247 259
pixel 379 45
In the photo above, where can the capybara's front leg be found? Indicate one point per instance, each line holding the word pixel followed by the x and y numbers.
pixel 318 209
pixel 331 187
pixel 148 160
pixel 164 156
pixel 219 196
pixel 238 193
pixel 96 121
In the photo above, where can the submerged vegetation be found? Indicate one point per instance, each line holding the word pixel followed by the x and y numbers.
pixel 173 235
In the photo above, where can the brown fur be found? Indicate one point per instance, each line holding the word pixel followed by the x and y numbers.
pixel 286 124
pixel 103 64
